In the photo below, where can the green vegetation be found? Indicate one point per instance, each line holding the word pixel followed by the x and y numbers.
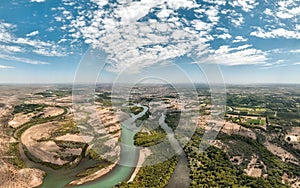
pixel 172 119
pixel 38 120
pixel 250 123
pixel 212 168
pixel 17 161
pixel 273 162
pixel 146 139
pixel 253 121
pixel 157 175
pixel 104 99
pixel 92 154
pixel 93 169
pixel 28 108
pixel 280 109
pixel 68 127
pixel 136 109
pixel 57 93
pixel 50 165
pixel 69 144
pixel 14 151
pixel 105 95
pixel 100 163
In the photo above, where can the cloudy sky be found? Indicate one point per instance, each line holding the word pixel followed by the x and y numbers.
pixel 251 41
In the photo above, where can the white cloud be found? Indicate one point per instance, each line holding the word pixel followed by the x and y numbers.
pixel 22 60
pixel 246 5
pixel 217 2
pixel 131 43
pixel 212 14
pixel 37 1
pixel 239 39
pixel 241 55
pixel 49 53
pixel 236 18
pixel 295 51
pixel 135 45
pixel 288 9
pixel 6 67
pixel 33 33
pixel 224 36
pixel 11 49
pixel 276 33
pixel 9 43
pixel 268 12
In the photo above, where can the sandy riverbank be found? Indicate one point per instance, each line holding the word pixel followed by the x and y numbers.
pixel 93 176
pixel 144 153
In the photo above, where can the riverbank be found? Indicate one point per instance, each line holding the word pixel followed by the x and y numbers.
pixel 93 176
pixel 144 153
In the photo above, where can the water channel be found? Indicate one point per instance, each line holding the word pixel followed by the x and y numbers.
pixel 121 172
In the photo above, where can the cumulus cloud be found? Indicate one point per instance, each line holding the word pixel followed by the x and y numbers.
pixel 276 33
pixel 224 36
pixel 134 40
pixel 11 49
pixel 141 33
pixel 131 43
pixel 246 5
pixel 10 44
pixel 268 12
pixel 282 21
pixel 288 9
pixel 239 39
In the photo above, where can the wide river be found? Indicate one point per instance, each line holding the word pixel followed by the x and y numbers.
pixel 121 172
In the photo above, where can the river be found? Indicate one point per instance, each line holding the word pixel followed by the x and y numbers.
pixel 128 159
pixel 180 177
pixel 122 172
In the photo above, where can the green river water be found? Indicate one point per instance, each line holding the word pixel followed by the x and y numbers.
pixel 122 172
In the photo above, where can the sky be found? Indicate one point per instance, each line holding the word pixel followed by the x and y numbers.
pixel 240 41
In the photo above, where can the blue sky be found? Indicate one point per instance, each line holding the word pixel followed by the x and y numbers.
pixel 251 41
